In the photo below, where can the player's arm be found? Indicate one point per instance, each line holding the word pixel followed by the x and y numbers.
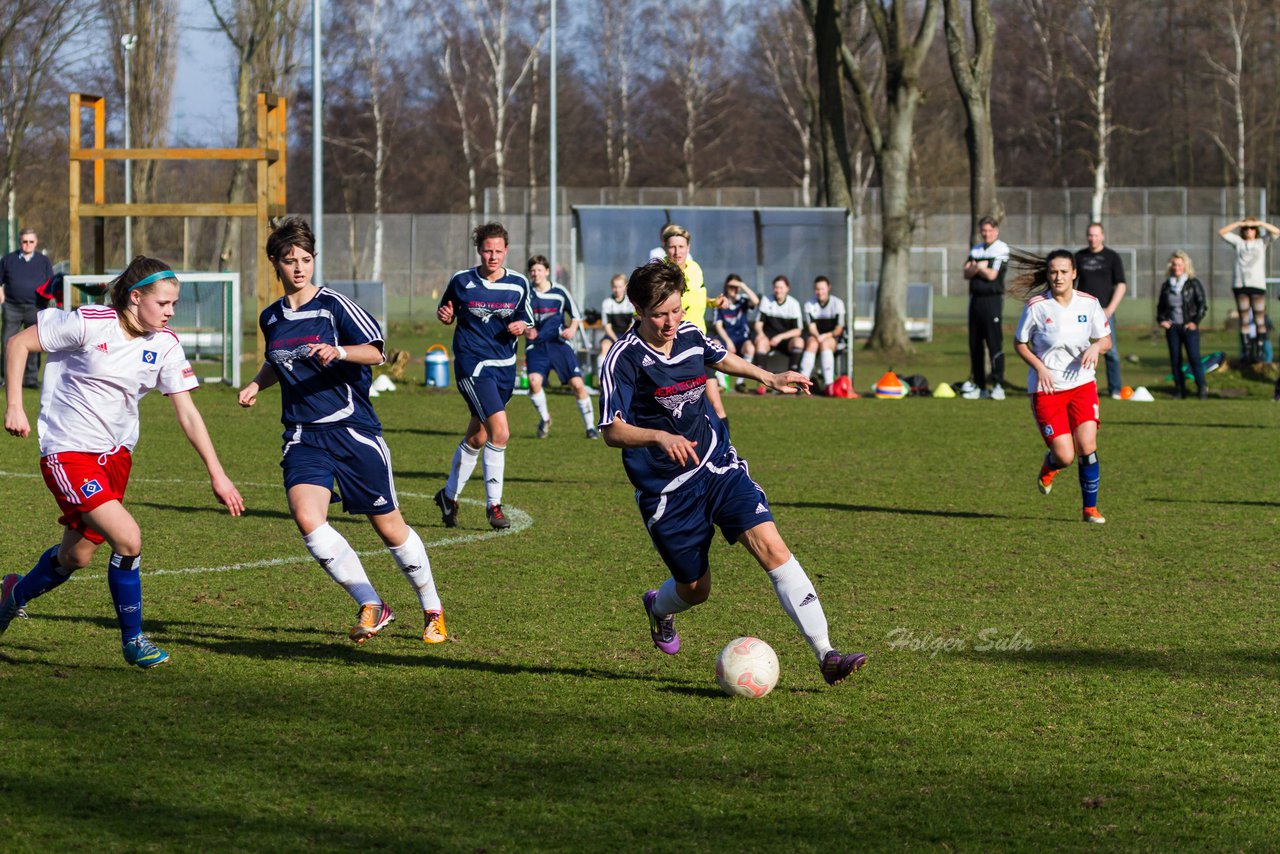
pixel 619 434
pixel 750 295
pixel 793 332
pixel 1230 227
pixel 1044 377
pixel 447 309
pixel 357 354
pixel 198 435
pixel 787 382
pixel 265 378
pixel 16 351
pixel 1275 232
pixel 1116 296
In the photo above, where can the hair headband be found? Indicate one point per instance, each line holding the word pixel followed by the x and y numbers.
pixel 154 277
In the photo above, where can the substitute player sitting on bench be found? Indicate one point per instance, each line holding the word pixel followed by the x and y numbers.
pixel 778 327
pixel 824 331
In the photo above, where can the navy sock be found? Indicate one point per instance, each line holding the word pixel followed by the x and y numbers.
pixel 1089 479
pixel 43 577
pixel 126 593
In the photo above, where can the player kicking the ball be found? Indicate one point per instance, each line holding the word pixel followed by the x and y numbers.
pixel 688 478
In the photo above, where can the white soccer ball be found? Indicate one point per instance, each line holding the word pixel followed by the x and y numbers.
pixel 747 667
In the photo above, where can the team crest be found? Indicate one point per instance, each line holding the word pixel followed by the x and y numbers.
pixel 149 356
pixel 1048 430
pixel 90 488
pixel 675 398
pixel 285 357
pixel 484 312
pixel 1082 318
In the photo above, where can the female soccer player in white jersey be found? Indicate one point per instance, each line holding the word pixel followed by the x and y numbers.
pixel 491 307
pixel 553 350
pixel 320 349
pixel 103 360
pixel 688 478
pixel 1062 333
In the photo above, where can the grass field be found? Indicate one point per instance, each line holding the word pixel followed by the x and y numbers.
pixel 1130 701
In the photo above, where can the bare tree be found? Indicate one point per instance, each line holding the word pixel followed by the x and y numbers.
pixel 1096 85
pixel 34 37
pixel 788 52
pixel 452 59
pixel 972 74
pixel 612 28
pixel 263 34
pixel 1231 75
pixel 152 64
pixel 903 55
pixel 833 139
pixel 1044 16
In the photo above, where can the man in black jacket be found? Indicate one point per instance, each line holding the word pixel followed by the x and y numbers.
pixel 984 270
pixel 23 276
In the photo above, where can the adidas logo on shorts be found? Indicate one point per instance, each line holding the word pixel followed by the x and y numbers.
pixel 381 502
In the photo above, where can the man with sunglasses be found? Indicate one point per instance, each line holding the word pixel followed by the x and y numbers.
pixel 24 276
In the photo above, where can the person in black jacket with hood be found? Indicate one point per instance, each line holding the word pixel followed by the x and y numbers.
pixel 1179 311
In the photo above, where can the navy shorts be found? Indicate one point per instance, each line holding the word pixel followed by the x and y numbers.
pixel 556 356
pixel 682 523
pixel 486 394
pixel 736 339
pixel 357 462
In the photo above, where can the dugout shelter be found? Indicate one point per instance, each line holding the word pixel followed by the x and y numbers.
pixel 757 243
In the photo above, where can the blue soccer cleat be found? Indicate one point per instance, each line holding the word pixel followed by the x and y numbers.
pixel 141 652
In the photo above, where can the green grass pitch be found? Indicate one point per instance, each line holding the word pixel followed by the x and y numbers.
pixel 1130 699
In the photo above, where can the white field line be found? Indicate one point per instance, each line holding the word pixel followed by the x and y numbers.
pixel 520 521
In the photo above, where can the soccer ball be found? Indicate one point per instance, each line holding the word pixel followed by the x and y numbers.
pixel 747 667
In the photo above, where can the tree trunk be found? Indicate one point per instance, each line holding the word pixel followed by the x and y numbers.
pixel 833 139
pixel 890 331
pixel 972 75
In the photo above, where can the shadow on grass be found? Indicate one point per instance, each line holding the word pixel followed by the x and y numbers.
pixel 897 511
pixel 1227 501
pixel 423 431
pixel 217 509
pixel 1172 661
pixel 1113 422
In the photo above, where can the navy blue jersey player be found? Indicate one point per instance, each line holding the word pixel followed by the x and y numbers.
pixel 688 477
pixel 553 348
pixel 490 304
pixel 320 349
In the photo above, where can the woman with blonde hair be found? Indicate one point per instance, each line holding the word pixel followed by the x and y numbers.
pixel 1179 310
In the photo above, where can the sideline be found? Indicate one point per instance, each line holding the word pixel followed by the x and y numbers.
pixel 520 521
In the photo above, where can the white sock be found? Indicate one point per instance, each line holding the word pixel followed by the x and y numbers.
pixel 411 557
pixel 336 557
pixel 800 601
pixel 539 402
pixel 668 601
pixel 828 367
pixel 806 363
pixel 495 460
pixel 588 416
pixel 464 463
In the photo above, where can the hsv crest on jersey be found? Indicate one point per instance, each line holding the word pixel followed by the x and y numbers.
pixel 149 356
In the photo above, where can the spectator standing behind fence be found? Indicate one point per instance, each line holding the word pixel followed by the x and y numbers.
pixel 24 276
pixel 984 270
pixel 1101 275
pixel 1249 283
pixel 1179 310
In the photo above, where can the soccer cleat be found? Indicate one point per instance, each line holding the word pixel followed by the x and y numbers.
pixel 1045 481
pixel 433 630
pixel 544 428
pixel 448 509
pixel 1092 515
pixel 997 392
pixel 373 618
pixel 837 665
pixel 141 652
pixel 662 630
pixel 593 433
pixel 761 390
pixel 497 518
pixel 8 604
pixel 973 393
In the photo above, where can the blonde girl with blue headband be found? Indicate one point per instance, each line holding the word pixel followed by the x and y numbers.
pixel 102 361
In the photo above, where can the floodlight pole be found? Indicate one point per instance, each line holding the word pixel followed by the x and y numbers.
pixel 552 177
pixel 317 142
pixel 128 41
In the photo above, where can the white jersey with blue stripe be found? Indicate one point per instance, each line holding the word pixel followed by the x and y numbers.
pixel 653 390
pixel 549 309
pixel 482 311
pixel 336 395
